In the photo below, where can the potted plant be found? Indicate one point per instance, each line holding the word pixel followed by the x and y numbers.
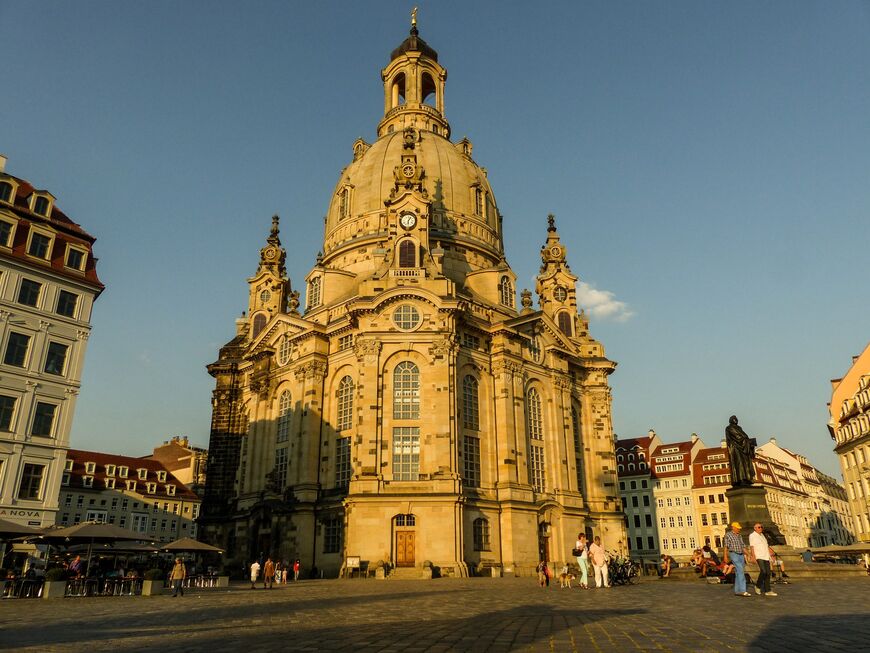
pixel 152 583
pixel 54 586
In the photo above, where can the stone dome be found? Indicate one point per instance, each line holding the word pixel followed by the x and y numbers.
pixel 463 207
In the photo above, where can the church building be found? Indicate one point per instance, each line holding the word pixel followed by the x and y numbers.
pixel 410 412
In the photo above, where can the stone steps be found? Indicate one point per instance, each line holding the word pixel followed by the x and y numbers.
pixel 795 571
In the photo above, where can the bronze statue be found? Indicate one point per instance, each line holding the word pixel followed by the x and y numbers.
pixel 741 450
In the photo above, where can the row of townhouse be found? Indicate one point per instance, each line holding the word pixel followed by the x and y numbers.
pixel 673 496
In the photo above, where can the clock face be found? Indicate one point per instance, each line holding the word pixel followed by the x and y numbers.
pixel 556 251
pixel 408 170
pixel 408 220
pixel 270 252
pixel 265 296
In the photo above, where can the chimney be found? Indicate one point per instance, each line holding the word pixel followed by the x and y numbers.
pixel 2 163
pixel 723 444
pixel 694 438
pixel 772 440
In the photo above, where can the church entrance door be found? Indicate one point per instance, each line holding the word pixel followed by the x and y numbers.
pixel 405 548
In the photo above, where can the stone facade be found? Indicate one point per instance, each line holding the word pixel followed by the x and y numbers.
pixel 186 462
pixel 48 284
pixel 849 427
pixel 411 413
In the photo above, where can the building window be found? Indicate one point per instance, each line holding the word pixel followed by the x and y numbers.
pixel 332 535
pixel 533 406
pixel 139 523
pixel 5 231
pixel 564 321
pixel 342 462
pixel 345 342
pixel 131 485
pixel 161 476
pixel 66 303
pixel 344 204
pixel 537 471
pixel 314 293
pixel 40 206
pixel 406 391
pixel 406 453
pixel 407 254
pixel 5 191
pixel 480 529
pixel 31 482
pixel 471 461
pixel 55 358
pixel 478 201
pixel 535 349
pixel 28 293
pixel 43 419
pixel 87 481
pixel 7 408
pixel 470 406
pixel 406 317
pixel 110 483
pixel 259 323
pixel 285 404
pixel 284 351
pixel 281 467
pixel 142 473
pixel 344 419
pixel 506 292
pixel 39 245
pixel 75 258
pixel 16 349
pixel 123 471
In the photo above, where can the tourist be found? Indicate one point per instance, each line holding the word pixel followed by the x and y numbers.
pixel 296 568
pixel 581 551
pixel 599 562
pixel 761 553
pixel 735 553
pixel 709 560
pixel 543 574
pixel 665 565
pixel 76 567
pixel 255 573
pixel 268 574
pixel 177 576
pixel 777 564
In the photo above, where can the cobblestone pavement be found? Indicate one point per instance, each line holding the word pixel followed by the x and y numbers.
pixel 500 614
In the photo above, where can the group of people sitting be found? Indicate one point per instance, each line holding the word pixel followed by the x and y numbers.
pixel 705 561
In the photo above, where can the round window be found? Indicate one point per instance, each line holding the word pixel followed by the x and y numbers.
pixel 560 294
pixel 406 317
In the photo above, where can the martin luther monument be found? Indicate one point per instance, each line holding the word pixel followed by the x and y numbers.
pixel 747 503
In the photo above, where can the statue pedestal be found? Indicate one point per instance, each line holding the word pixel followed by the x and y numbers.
pixel 748 505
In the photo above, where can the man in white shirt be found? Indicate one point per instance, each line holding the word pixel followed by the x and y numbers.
pixel 761 553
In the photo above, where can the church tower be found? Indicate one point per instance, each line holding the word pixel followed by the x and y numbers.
pixel 408 412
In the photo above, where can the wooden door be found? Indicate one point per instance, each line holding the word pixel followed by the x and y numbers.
pixel 405 548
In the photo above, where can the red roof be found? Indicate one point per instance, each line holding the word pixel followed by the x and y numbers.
pixel 151 467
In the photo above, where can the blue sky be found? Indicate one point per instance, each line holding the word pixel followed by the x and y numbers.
pixel 707 164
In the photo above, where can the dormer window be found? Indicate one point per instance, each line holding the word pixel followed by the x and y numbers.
pixel 7 229
pixel 41 205
pixel 170 490
pixel 6 192
pixel 68 465
pixel 110 470
pixel 66 477
pixel 39 244
pixel 123 471
pixel 143 473
pixel 110 484
pixel 75 257
pixel 87 481
pixel 161 476
pixel 131 485
pixel 152 488
pixel 90 468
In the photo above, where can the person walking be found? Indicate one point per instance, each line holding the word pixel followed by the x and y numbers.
pixel 599 562
pixel 581 551
pixel 296 568
pixel 761 553
pixel 735 553
pixel 177 576
pixel 255 573
pixel 268 574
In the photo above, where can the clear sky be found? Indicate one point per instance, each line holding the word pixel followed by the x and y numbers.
pixel 707 164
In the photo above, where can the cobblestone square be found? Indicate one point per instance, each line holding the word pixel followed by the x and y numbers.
pixel 510 614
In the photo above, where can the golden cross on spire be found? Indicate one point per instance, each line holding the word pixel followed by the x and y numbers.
pixel 414 17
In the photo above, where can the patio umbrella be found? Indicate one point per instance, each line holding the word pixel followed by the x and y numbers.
pixel 189 545
pixel 12 529
pixel 91 533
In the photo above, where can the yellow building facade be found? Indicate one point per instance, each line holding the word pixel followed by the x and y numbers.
pixel 411 412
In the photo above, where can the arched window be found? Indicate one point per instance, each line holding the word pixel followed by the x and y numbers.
pixel 506 292
pixel 285 349
pixel 480 529
pixel 470 403
pixel 631 467
pixel 259 323
pixel 619 458
pixel 285 404
pixel 407 254
pixel 398 90
pixel 578 447
pixel 537 465
pixel 314 292
pixel 565 324
pixel 631 456
pixel 344 204
pixel 478 201
pixel 344 418
pixel 5 191
pixel 406 391
pixel 619 469
pixel 428 90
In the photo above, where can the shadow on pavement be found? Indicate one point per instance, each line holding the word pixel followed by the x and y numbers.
pixel 830 632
